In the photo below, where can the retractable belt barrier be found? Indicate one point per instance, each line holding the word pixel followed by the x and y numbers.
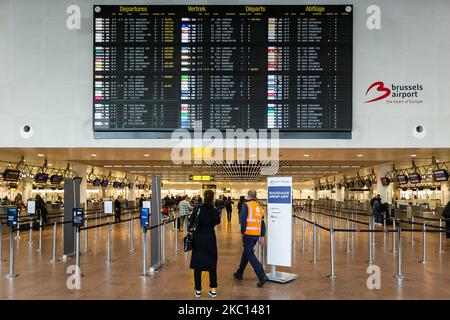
pixel 371 232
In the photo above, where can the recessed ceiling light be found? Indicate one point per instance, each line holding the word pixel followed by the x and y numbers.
pixel 413 155
pixel 253 155
pixel 40 155
pixel 306 155
pixel 359 155
pixel 437 160
pixel 93 155
pixel 146 155
pixel 49 164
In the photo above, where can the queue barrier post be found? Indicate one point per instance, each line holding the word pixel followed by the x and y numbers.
pixel 54 244
pixel 85 234
pixel 40 235
pixel 424 244
pixel 11 256
pixel 439 250
pixel 108 244
pixel 314 259
pixel 347 237
pixel 77 252
pixel 62 229
pixel 18 237
pixel 30 232
pixel 394 235
pixel 131 233
pixel 303 236
pixel 144 253
pixel 399 274
pixel 412 228
pixel 163 242
pixel 369 236
pixel 176 233
pixel 293 231
pixel 1 241
pixel 353 225
pixel 95 229
pixel 373 233
pixel 333 274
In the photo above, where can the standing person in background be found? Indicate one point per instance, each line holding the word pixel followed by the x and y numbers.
pixel 41 209
pixel 378 210
pixel 219 204
pixel 117 209
pixel 446 216
pixel 141 201
pixel 185 207
pixel 239 206
pixel 253 230
pixel 18 201
pixel 309 204
pixel 229 208
pixel 204 245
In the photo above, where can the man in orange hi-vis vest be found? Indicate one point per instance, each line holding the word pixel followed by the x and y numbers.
pixel 253 230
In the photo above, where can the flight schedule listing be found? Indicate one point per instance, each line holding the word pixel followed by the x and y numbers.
pixel 158 68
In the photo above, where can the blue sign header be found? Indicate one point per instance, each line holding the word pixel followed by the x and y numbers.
pixel 279 194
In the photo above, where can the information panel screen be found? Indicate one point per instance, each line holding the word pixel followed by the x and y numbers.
pixel 159 68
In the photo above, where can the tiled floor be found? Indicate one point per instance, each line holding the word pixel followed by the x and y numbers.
pixel 40 279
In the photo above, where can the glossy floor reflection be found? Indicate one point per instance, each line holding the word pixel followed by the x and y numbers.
pixel 38 278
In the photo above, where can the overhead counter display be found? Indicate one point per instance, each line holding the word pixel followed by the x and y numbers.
pixel 159 68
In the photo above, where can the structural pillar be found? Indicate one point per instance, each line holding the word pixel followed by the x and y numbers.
pixel 384 192
pixel 132 193
pixel 81 170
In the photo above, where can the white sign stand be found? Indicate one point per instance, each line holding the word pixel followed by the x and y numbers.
pixel 108 207
pixel 279 227
pixel 147 204
pixel 31 207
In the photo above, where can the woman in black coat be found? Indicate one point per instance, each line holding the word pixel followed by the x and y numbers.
pixel 204 244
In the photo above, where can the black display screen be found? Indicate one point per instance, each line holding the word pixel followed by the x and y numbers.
pixel 385 181
pixel 41 177
pixel 440 175
pixel 159 68
pixel 402 179
pixel 11 175
pixel 360 183
pixel 56 179
pixel 415 178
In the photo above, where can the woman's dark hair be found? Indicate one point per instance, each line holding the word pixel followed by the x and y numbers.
pixel 209 198
pixel 242 198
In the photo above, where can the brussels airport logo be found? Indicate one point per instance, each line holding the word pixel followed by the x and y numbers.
pixel 214 146
pixel 394 93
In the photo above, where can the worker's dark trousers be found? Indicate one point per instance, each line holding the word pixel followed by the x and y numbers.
pixel 248 255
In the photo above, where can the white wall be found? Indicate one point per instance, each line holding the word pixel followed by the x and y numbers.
pixel 45 73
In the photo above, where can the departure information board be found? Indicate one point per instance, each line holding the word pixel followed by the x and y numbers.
pixel 163 67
